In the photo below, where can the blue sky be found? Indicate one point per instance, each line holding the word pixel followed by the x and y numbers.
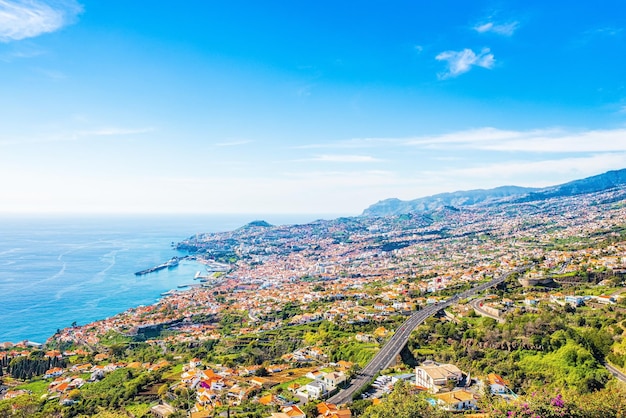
pixel 301 107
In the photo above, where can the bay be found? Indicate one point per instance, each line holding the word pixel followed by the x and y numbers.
pixel 57 270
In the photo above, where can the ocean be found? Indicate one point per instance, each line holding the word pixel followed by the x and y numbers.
pixel 55 271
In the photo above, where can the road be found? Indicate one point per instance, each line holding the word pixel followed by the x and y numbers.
pixel 392 348
pixel 618 374
pixel 477 305
pixel 619 292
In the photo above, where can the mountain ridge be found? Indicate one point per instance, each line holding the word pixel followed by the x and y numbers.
pixel 394 206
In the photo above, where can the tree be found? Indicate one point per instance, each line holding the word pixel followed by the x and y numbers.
pixel 609 403
pixel 162 391
pixel 117 350
pixel 310 409
pixel 401 403
pixel 104 413
pixel 74 394
pixel 354 369
pixel 359 406
pixel 24 406
pixel 262 372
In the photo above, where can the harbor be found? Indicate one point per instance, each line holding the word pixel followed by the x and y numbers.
pixel 213 270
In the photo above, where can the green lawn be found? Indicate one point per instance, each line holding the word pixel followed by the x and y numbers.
pixel 303 380
pixel 174 373
pixel 114 338
pixel 139 409
pixel 38 387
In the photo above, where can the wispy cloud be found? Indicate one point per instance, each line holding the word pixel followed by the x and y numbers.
pixel 78 135
pixel 535 172
pixel 114 132
pixel 315 175
pixel 606 31
pixel 557 140
pixel 348 143
pixel 21 50
pixel 506 29
pixel 602 34
pixel 304 91
pixel 337 158
pixel 51 74
pixel 21 19
pixel 460 62
pixel 541 140
pixel 233 143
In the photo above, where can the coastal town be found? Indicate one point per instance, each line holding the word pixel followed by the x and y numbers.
pixel 365 269
pixel 284 317
pixel 312 209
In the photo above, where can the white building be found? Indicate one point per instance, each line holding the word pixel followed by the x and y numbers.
pixel 457 400
pixel 313 390
pixel 334 379
pixel 433 376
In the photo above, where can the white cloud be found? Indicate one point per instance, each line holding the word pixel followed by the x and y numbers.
pixel 541 173
pixel 21 19
pixel 460 62
pixel 555 140
pixel 506 29
pixel 540 140
pixel 472 136
pixel 345 158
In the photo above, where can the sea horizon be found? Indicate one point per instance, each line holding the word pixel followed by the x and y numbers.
pixel 57 269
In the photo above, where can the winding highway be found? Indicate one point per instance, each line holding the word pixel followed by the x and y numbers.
pixel 385 357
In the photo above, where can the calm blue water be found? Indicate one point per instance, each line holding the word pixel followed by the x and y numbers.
pixel 54 271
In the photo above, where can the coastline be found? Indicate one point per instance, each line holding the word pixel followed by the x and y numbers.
pixel 159 298
pixel 56 270
pixel 123 324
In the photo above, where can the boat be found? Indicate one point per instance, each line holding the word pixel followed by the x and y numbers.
pixel 171 263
